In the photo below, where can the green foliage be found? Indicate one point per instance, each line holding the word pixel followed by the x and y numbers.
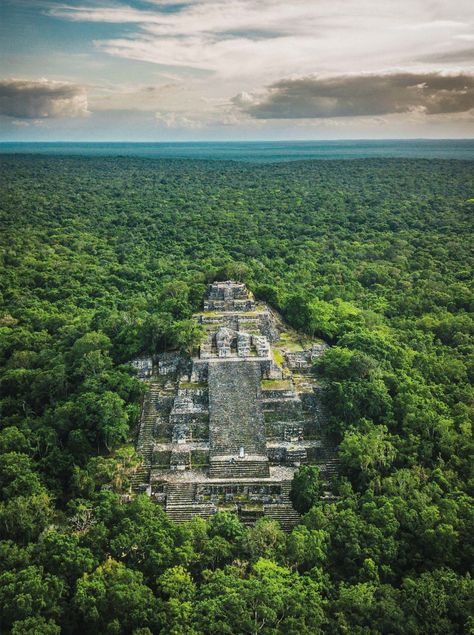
pixel 267 599
pixel 29 593
pixel 367 452
pixel 105 259
pixel 305 488
pixel 113 599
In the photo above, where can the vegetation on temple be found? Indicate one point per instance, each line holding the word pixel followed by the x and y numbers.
pixel 104 259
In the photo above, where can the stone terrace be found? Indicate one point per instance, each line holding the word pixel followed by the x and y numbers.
pixel 227 428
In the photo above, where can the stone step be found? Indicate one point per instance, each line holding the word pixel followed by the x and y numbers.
pixel 236 418
pixel 145 440
pixel 250 517
pixel 179 493
pixel 227 468
pixel 330 467
pixel 145 453
pixel 291 400
pixel 140 477
pixel 328 450
pixel 185 513
pixel 148 413
pixel 284 514
pixel 180 505
pixel 229 449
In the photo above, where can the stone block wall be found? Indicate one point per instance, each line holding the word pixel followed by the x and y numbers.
pixel 161 458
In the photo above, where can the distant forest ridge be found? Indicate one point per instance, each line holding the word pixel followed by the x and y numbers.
pixel 258 151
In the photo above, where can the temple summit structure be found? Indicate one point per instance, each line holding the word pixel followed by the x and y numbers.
pixel 226 428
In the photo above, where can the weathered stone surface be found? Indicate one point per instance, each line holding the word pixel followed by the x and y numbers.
pixel 144 366
pixel 211 438
pixel 228 296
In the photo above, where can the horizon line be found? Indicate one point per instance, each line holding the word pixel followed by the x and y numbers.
pixel 177 141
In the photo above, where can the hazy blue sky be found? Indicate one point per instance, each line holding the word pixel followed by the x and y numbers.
pixel 154 70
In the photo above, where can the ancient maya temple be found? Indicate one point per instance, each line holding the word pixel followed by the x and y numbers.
pixel 227 428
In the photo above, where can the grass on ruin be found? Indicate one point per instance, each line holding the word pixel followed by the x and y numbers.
pixel 304 383
pixel 208 313
pixel 192 385
pixel 293 342
pixel 276 384
pixel 278 357
pixel 253 507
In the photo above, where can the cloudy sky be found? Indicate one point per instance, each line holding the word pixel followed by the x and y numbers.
pixel 236 69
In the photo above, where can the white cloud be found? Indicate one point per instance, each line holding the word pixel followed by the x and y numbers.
pixel 175 120
pixel 252 39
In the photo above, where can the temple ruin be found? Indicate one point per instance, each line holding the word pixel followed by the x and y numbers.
pixel 226 428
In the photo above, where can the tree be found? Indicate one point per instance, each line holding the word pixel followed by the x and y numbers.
pixel 305 488
pixel 187 335
pixel 89 354
pixel 114 599
pixel 268 599
pixel 268 293
pixel 29 593
pixel 104 416
pixel 265 539
pixel 307 548
pixel 23 518
pixel 12 439
pixel 17 476
pixel 177 585
pixel 298 313
pixel 437 602
pixel 141 537
pixel 34 626
pixel 227 526
pixel 366 453
pixel 61 554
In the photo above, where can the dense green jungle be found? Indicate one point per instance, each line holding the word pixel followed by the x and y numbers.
pixel 104 259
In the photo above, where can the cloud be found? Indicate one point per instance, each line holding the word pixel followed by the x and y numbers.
pixel 113 15
pixel 271 39
pixel 175 120
pixel 360 95
pixel 463 55
pixel 41 99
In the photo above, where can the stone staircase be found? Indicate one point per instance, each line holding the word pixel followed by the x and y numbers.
pixel 330 468
pixel 328 464
pixel 284 513
pixel 179 494
pixel 236 419
pixel 140 478
pixel 221 467
pixel 249 517
pixel 180 505
pixel 145 440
